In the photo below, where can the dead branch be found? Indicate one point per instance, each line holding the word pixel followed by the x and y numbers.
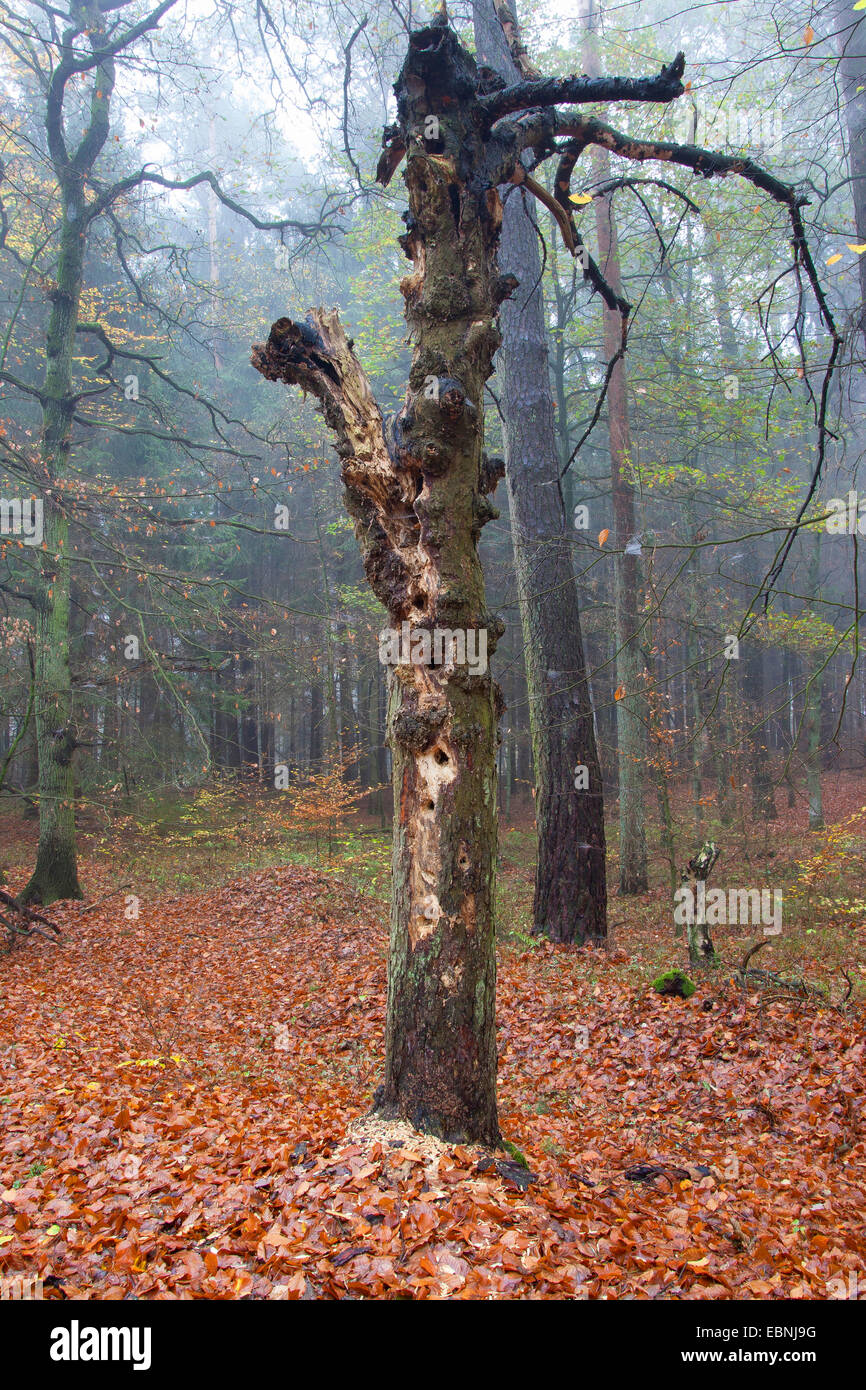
pixel 520 177
pixel 709 164
pixel 666 86
pixel 347 78
pixel 28 912
pixel 33 930
pixel 748 956
pixel 317 356
pixel 105 897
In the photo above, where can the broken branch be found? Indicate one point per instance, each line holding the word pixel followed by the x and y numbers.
pixel 666 86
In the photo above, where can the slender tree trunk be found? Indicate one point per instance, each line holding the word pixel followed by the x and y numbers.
pixel 249 716
pixel 763 797
pixel 851 29
pixel 317 724
pixel 334 748
pixel 812 720
pixel 349 740
pixel 55 874
pixel 382 770
pixel 226 749
pixel 570 883
pixel 701 948
pixel 631 712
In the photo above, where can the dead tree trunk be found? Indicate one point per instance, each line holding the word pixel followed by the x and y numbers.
pixel 417 491
pixel 701 948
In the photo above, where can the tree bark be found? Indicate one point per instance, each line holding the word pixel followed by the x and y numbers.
pixel 416 492
pixel 701 948
pixel 55 874
pixel 570 902
pixel 852 100
pixel 763 794
pixel 812 716
pixel 631 676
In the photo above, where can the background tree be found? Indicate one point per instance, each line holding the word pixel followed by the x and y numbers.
pixel 570 901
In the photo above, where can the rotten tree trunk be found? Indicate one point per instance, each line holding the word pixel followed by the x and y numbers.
pixel 701 948
pixel 416 492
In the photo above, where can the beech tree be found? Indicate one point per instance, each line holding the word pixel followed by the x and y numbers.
pixel 631 707
pixel 851 37
pixel 570 900
pixel 74 68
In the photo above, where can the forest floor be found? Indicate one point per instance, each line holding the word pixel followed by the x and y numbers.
pixel 182 1093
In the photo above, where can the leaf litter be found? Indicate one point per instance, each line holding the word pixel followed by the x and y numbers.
pixel 184 1108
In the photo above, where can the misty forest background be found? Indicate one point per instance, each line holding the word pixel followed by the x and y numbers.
pixel 219 623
